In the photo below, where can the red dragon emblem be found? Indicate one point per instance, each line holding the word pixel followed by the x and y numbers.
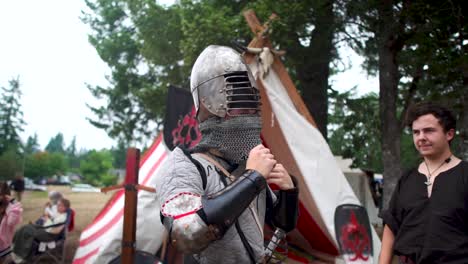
pixel 187 133
pixel 354 239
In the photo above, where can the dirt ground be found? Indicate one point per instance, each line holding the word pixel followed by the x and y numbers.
pixel 86 206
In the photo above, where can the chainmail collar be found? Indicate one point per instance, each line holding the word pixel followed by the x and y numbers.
pixel 233 138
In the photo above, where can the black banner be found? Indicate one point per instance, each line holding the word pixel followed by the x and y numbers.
pixel 180 124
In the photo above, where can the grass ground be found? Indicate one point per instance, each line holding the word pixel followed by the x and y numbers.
pixel 86 206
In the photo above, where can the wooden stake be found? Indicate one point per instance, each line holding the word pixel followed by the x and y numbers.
pixel 130 207
pixel 131 187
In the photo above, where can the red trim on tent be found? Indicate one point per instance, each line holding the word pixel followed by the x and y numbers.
pixel 106 209
pixel 155 166
pixel 83 259
pixel 117 217
pixel 309 229
pixel 103 230
pixel 151 149
pixel 117 196
pixel 313 233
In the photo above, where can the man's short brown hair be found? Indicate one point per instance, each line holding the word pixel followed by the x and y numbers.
pixel 444 115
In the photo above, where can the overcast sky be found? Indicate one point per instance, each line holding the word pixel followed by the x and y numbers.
pixel 46 45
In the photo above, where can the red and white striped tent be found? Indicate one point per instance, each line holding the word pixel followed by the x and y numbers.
pixel 101 240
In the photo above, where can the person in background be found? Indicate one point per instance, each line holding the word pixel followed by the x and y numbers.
pixel 426 220
pixel 17 185
pixel 10 216
pixel 50 208
pixel 49 231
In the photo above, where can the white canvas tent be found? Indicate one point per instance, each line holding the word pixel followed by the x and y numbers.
pixel 360 185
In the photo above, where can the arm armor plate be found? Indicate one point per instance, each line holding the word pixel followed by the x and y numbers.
pixel 194 222
pixel 222 209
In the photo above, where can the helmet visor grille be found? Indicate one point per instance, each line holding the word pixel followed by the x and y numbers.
pixel 241 97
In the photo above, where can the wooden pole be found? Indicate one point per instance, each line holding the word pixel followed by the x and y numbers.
pixel 130 207
pixel 131 187
pixel 271 131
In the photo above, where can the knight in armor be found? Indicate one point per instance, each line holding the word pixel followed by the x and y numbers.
pixel 215 197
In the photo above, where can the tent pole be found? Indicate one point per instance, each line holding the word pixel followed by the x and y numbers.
pixel 131 187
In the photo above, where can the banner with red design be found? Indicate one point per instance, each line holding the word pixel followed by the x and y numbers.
pixel 353 233
pixel 180 124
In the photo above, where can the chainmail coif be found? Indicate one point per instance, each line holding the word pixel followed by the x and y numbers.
pixel 233 137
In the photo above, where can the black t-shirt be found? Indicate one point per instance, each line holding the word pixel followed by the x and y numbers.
pixel 435 229
pixel 17 185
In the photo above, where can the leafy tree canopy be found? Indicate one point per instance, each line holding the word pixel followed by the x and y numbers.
pixel 32 145
pixel 95 167
pixel 44 164
pixel 10 164
pixel 11 117
pixel 56 144
pixel 148 46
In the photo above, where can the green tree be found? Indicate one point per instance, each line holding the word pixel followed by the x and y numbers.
pixel 58 163
pixel 71 149
pixel 165 41
pixel 10 164
pixel 37 165
pixel 95 168
pixel 11 117
pixel 119 155
pixel 32 145
pixel 414 47
pixel 56 144
pixel 72 154
pixel 108 179
pixel 307 38
pixel 137 89
pixel 356 132
pixel 45 164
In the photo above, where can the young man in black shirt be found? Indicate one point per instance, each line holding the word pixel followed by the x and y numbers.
pixel 427 218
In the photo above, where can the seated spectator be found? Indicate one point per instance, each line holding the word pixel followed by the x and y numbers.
pixel 49 231
pixel 10 216
pixel 50 208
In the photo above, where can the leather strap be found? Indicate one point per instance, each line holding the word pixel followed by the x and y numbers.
pixel 216 164
pixel 252 210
